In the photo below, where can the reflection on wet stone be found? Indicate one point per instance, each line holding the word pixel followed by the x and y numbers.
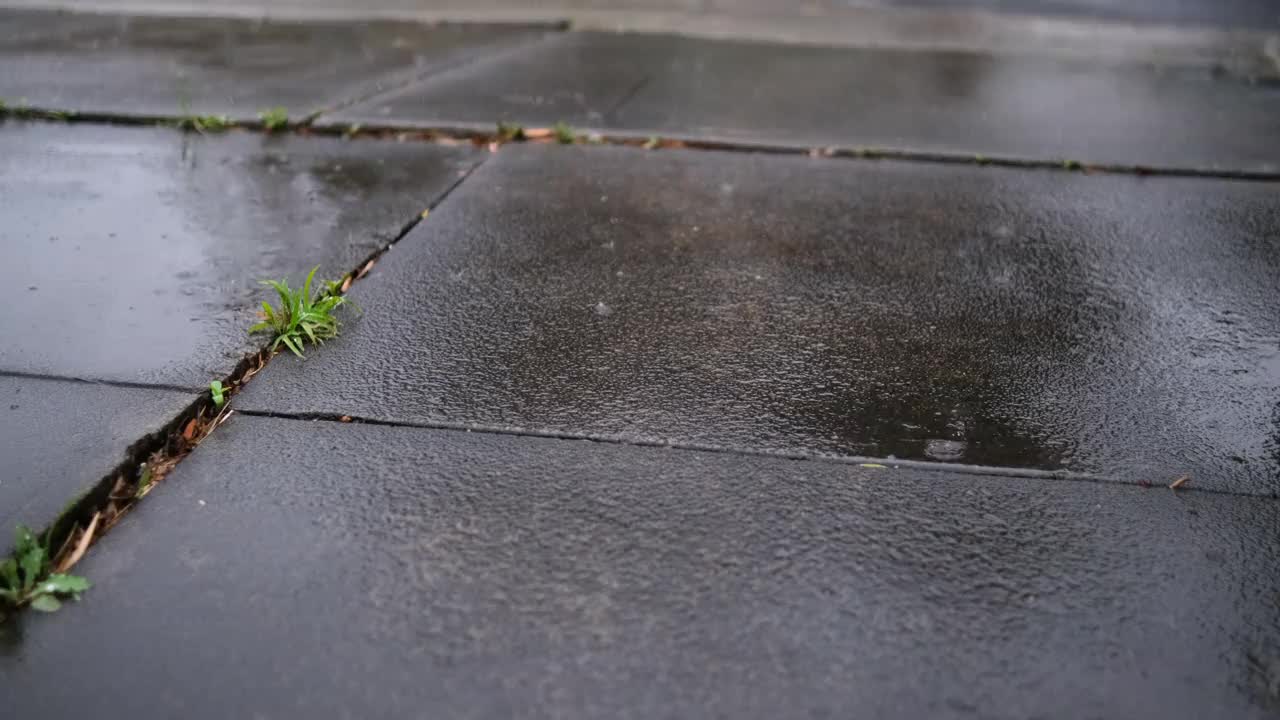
pixel 958 314
pixel 944 450
pixel 221 213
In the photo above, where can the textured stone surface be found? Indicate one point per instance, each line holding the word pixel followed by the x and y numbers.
pixel 1116 325
pixel 960 103
pixel 293 569
pixel 170 66
pixel 135 254
pixel 59 438
pixel 1249 14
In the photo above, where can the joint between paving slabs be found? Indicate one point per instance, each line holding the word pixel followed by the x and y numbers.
pixel 513 133
pixel 151 458
pixel 1180 484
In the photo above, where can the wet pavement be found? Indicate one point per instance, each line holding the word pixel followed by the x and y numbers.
pixel 1113 325
pixel 287 571
pixel 58 438
pixel 1220 13
pixel 166 236
pixel 133 256
pixel 862 433
pixel 237 67
pixel 930 102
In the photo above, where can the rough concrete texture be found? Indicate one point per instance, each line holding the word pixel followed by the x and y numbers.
pixel 59 438
pixel 135 254
pixel 1116 325
pixel 237 67
pixel 935 102
pixel 285 570
pixel 1249 14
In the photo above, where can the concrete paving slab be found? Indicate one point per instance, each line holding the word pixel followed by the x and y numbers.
pixel 24 30
pixel 238 67
pixel 297 569
pixel 1106 324
pixel 1203 30
pixel 58 438
pixel 1218 13
pixel 935 102
pixel 134 254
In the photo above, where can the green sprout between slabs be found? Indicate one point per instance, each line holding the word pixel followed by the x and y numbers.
pixel 218 393
pixel 24 111
pixel 508 132
pixel 205 123
pixel 564 134
pixel 301 318
pixel 273 119
pixel 26 580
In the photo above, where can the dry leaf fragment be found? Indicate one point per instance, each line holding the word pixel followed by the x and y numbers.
pixel 86 538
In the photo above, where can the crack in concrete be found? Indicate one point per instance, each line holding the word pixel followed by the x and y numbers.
pixel 485 134
pixel 99 381
pixel 169 446
pixel 858 460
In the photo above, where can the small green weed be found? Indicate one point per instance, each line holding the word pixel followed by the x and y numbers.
pixel 274 119
pixel 508 132
pixel 218 393
pixel 146 479
pixel 301 317
pixel 24 111
pixel 25 579
pixel 204 123
pixel 564 134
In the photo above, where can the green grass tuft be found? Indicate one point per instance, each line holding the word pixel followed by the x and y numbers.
pixel 204 123
pixel 26 580
pixel 274 119
pixel 564 134
pixel 508 132
pixel 301 318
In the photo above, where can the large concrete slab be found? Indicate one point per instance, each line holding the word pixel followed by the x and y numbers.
pixel 1109 324
pixel 1250 14
pixel 59 438
pixel 295 569
pixel 135 254
pixel 169 66
pixel 958 103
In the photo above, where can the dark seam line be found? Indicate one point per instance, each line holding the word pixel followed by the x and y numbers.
pixel 96 496
pixel 612 112
pixel 922 465
pixel 95 381
pixel 494 51
pixel 630 138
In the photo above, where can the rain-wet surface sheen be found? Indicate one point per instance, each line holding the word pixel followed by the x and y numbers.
pixel 58 438
pixel 1116 325
pixel 1039 108
pixel 318 569
pixel 237 67
pixel 135 254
